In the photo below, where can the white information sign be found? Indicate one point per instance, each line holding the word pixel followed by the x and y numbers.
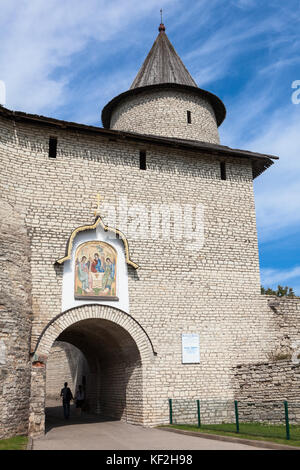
pixel 190 348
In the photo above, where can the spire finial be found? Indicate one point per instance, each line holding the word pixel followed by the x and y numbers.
pixel 161 26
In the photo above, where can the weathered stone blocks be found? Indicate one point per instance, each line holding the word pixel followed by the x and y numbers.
pixel 15 322
pixel 164 113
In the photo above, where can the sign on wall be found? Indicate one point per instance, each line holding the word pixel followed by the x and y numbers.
pixel 190 348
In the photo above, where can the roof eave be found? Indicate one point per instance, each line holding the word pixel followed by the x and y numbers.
pixel 260 162
pixel 217 104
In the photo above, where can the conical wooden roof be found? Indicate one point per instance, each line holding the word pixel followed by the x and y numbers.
pixel 162 65
pixel 163 70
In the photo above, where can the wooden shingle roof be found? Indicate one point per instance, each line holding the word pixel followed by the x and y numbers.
pixel 162 65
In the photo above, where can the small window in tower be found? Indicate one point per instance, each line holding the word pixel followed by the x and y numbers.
pixel 52 147
pixel 189 117
pixel 142 160
pixel 223 170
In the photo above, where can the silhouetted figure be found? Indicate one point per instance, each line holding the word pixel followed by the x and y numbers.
pixel 79 399
pixel 67 396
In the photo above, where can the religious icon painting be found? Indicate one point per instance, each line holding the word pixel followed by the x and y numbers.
pixel 95 271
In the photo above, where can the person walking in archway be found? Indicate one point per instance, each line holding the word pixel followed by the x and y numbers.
pixel 67 396
pixel 79 399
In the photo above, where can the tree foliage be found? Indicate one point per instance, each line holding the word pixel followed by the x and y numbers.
pixel 280 292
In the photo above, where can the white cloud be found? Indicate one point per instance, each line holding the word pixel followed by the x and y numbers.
pixel 279 64
pixel 234 38
pixel 39 39
pixel 274 277
pixel 243 3
pixel 277 192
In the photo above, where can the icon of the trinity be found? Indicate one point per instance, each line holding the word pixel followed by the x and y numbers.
pixel 95 271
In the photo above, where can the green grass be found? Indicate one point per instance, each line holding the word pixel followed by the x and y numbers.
pixel 253 431
pixel 14 443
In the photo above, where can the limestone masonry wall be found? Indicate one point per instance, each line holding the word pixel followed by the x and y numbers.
pixel 165 113
pixel 15 322
pixel 278 380
pixel 287 325
pixel 263 387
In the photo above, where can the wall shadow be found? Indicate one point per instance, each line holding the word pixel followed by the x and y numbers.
pixel 54 417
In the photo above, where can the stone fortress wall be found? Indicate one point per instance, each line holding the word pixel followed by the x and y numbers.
pixel 15 322
pixel 278 378
pixel 259 387
pixel 180 287
pixel 263 387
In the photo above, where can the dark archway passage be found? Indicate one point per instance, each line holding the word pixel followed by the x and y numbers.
pixel 65 363
pixel 110 364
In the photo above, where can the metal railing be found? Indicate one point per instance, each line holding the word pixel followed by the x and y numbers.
pixel 270 419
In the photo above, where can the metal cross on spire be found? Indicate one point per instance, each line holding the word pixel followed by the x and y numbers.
pixel 161 26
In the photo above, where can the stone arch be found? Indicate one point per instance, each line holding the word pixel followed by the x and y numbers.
pixel 86 312
pixel 119 351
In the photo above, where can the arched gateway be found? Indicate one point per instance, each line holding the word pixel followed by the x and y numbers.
pixel 117 350
pixel 186 204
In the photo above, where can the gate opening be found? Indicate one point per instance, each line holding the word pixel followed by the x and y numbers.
pixel 103 358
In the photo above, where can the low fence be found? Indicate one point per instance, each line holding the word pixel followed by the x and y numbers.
pixel 276 419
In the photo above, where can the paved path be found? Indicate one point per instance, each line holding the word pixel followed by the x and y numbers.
pixel 91 433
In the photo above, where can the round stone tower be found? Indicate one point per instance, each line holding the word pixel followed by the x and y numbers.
pixel 164 100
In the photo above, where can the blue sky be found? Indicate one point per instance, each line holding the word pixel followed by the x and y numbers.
pixel 68 59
